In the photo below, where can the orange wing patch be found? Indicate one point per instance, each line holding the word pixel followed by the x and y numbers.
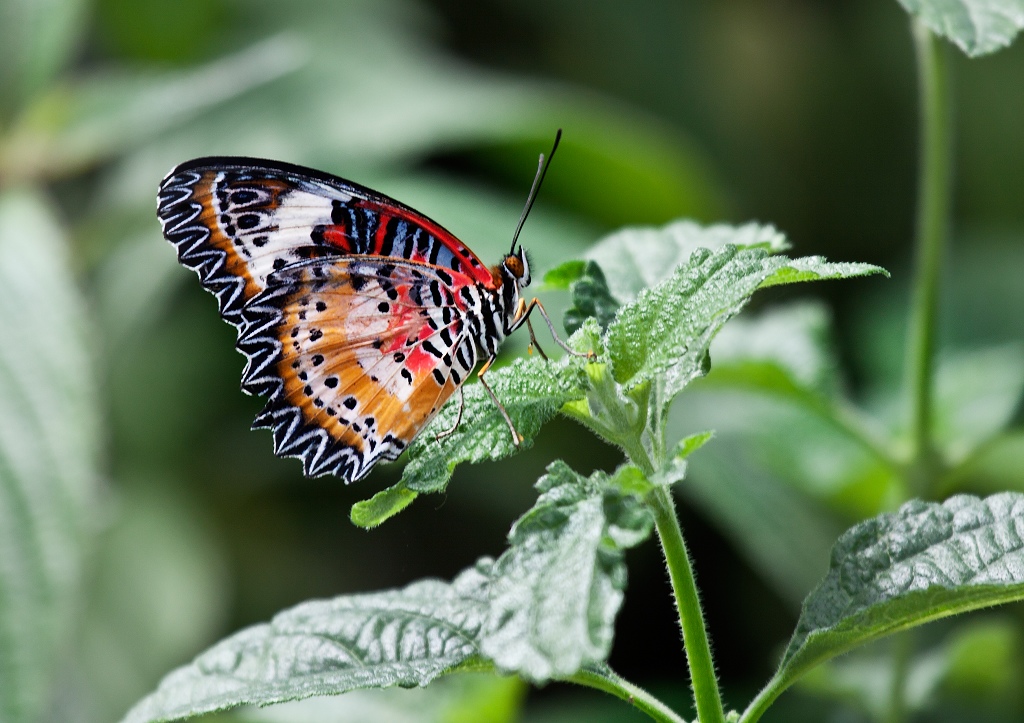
pixel 357 355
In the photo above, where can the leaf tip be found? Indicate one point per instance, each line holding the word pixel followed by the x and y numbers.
pixel 382 506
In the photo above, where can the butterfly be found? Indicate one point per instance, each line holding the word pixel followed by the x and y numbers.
pixel 358 316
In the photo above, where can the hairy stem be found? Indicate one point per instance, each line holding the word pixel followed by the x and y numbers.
pixel 706 696
pixel 764 700
pixel 609 682
pixel 935 171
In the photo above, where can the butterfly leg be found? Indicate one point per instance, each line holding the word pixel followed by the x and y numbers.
pixel 458 419
pixel 526 309
pixel 533 340
pixel 516 437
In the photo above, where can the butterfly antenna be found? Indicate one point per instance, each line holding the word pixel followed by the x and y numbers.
pixel 542 169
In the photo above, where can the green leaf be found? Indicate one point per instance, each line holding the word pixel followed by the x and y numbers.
pixel 36 40
pixel 977 27
pixel 557 590
pixel 402 637
pixel 816 268
pixel 590 299
pixel 562 276
pixel 77 125
pixel 675 469
pixel 666 332
pixel 925 562
pixel 463 698
pixel 544 609
pixel 382 506
pixel 688 445
pixel 531 391
pixel 48 451
pixel 644 257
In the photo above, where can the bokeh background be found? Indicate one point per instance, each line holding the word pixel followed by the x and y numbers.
pixel 799 113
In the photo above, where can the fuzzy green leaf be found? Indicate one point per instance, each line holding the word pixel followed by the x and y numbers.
pixel 402 637
pixel 552 613
pixel 463 698
pixel 689 445
pixel 531 390
pixel 382 506
pixel 643 257
pixel 48 451
pixel 926 561
pixel 977 27
pixel 675 468
pixel 544 609
pixel 666 332
pixel 815 268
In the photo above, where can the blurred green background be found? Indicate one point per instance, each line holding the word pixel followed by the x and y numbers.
pixel 177 525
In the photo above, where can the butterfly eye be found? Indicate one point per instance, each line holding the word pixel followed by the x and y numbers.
pixel 515 266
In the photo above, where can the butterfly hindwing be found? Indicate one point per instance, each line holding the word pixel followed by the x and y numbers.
pixel 236 221
pixel 356 355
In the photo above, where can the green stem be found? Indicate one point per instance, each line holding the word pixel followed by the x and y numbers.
pixel 935 169
pixel 764 700
pixel 612 683
pixel 691 618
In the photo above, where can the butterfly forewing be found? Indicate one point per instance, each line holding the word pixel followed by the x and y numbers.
pixel 235 221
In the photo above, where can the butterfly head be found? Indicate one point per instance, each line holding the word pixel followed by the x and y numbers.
pixel 515 268
pixel 515 276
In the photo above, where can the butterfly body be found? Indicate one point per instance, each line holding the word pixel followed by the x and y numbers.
pixel 358 316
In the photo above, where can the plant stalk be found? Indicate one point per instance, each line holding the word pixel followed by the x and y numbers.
pixel 707 698
pixel 933 205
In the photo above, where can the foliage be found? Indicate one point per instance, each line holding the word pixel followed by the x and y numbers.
pixel 546 607
pixel 112 366
pixel 48 452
